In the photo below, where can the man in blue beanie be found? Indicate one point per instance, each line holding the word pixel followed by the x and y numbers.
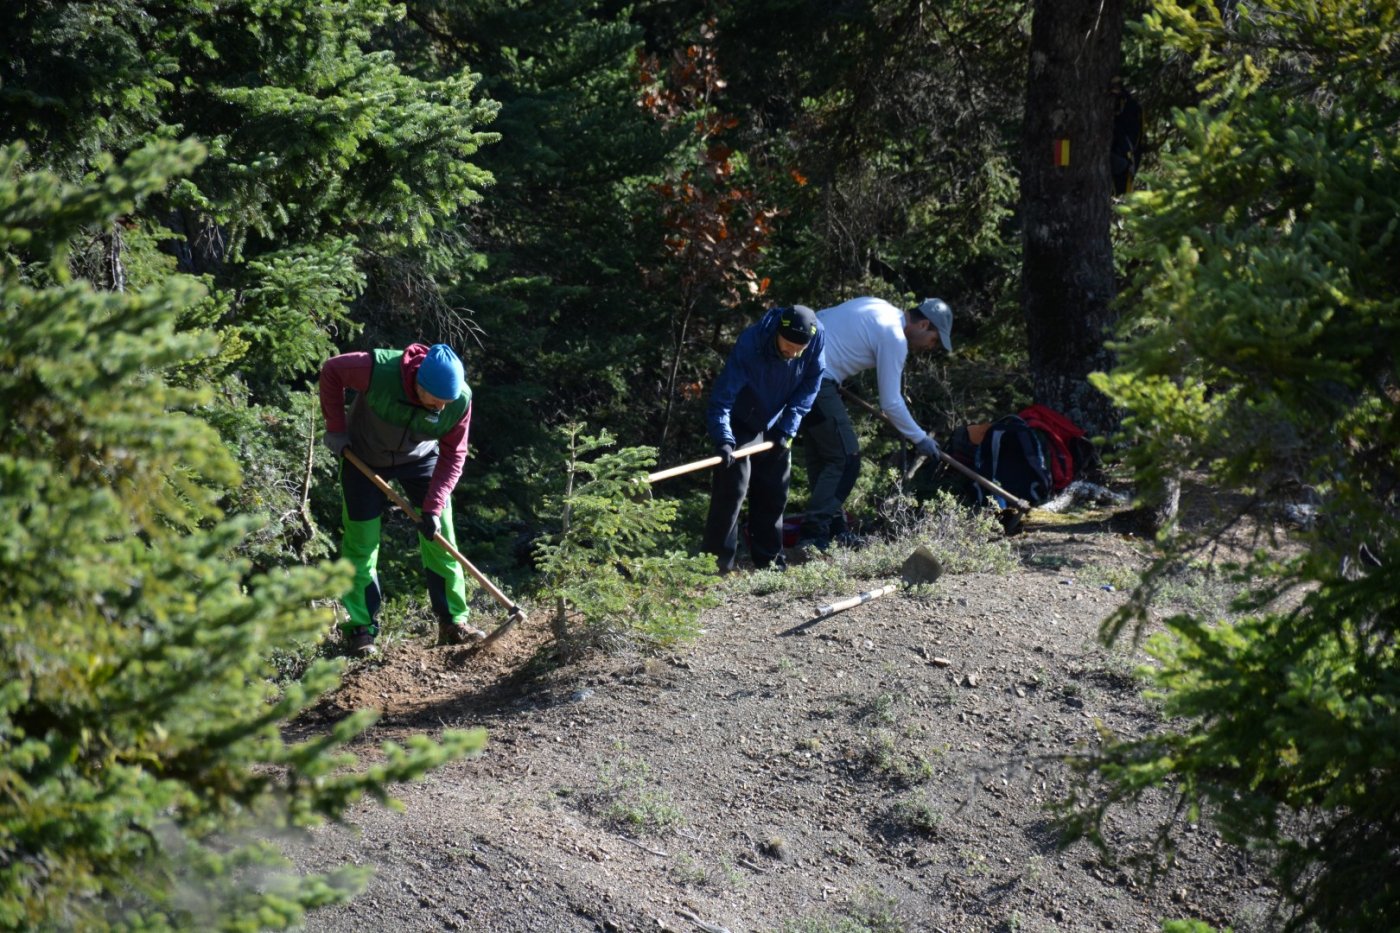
pixel 408 422
pixel 768 384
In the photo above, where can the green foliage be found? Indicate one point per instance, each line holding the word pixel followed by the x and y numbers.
pixel 964 540
pixel 569 331
pixel 278 447
pixel 140 750
pixel 1262 344
pixel 627 799
pixel 334 183
pixel 610 585
pixel 293 300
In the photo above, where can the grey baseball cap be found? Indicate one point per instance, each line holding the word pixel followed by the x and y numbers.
pixel 937 312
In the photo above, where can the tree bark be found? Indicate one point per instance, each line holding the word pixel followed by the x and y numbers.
pixel 1067 267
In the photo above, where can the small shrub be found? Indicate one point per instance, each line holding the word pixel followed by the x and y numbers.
pixel 917 813
pixel 802 580
pixel 611 585
pixel 887 755
pixel 627 801
pixel 964 540
pixel 869 912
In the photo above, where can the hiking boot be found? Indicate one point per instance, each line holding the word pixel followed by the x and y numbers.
pixel 360 642
pixel 809 549
pixel 450 633
pixel 778 564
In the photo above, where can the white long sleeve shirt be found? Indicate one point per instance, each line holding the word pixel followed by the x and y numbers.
pixel 869 332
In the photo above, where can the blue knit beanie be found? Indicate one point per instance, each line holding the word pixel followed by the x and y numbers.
pixel 441 373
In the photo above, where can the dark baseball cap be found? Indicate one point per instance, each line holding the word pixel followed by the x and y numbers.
pixel 798 324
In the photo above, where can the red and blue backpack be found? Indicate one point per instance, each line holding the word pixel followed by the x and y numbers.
pixel 1068 449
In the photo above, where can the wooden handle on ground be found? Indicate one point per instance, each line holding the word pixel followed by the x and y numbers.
pixel 967 471
pixel 446 545
pixel 855 600
pixel 739 454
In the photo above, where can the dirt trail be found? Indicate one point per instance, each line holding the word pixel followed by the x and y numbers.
pixel 886 768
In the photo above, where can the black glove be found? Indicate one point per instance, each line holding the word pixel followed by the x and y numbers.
pixel 726 455
pixel 429 525
pixel 780 440
pixel 336 441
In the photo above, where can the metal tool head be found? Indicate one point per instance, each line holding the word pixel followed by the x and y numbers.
pixel 922 566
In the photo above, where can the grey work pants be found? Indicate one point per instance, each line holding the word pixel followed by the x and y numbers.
pixel 833 463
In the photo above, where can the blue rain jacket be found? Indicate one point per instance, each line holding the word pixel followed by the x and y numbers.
pixel 760 390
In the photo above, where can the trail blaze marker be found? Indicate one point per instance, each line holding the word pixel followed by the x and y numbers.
pixel 1061 153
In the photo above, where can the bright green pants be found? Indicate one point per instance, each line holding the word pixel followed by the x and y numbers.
pixel 362 509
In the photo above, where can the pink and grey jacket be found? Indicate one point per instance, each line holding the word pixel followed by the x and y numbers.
pixel 387 425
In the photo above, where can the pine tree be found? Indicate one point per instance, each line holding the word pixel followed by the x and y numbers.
pixel 1262 348
pixel 1067 275
pixel 332 193
pixel 140 753
pixel 570 330
pixel 610 586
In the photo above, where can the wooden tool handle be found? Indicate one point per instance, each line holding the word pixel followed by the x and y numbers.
pixel 446 545
pixel 970 473
pixel 985 483
pixel 855 600
pixel 739 454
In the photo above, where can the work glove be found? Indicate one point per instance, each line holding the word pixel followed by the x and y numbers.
pixel 780 440
pixel 726 455
pixel 928 447
pixel 429 525
pixel 336 442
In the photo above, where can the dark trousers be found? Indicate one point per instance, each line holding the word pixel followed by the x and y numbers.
pixel 764 478
pixel 833 464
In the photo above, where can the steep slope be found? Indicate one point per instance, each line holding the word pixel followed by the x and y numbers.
pixel 887 768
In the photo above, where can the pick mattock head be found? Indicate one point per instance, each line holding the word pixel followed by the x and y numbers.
pixel 922 566
pixel 517 615
pixel 1011 520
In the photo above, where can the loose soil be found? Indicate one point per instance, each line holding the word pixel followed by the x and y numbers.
pixel 886 768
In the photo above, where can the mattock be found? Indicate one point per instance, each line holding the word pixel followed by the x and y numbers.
pixel 516 613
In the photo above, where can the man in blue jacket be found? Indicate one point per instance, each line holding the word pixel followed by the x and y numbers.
pixel 768 384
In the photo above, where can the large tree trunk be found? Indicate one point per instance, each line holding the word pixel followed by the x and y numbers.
pixel 1067 273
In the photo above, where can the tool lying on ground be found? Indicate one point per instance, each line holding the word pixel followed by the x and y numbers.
pixel 739 454
pixel 922 566
pixel 516 613
pixel 844 604
pixel 1016 508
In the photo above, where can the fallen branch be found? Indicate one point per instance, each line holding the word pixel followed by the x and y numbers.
pixel 702 924
pixel 304 506
pixel 645 848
